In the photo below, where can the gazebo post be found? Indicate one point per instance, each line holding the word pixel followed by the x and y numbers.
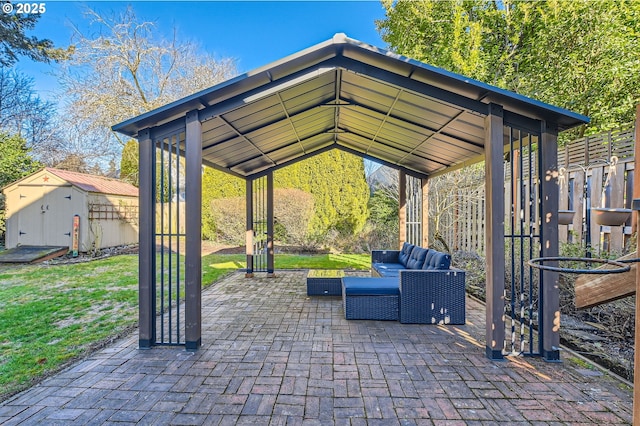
pixel 402 207
pixel 193 257
pixel 549 199
pixel 425 212
pixel 146 247
pixel 494 233
pixel 270 227
pixel 636 206
pixel 249 234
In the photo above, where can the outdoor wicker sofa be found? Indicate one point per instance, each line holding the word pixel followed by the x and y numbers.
pixel 414 285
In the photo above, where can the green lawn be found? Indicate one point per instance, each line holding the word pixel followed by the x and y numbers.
pixel 53 314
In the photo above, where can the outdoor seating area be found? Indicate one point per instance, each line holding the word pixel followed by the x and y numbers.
pixel 414 285
pixel 273 355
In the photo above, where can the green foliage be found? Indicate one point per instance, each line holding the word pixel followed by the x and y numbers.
pixel 15 159
pixel 335 179
pixel 228 219
pixel 383 208
pixel 129 169
pixel 216 185
pixel 578 55
pixel 382 230
pixel 337 182
pixel 15 42
pixel 226 262
pixel 293 210
pixel 15 163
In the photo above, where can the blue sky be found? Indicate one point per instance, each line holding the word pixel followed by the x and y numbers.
pixel 254 33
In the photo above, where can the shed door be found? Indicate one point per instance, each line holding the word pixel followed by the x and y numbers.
pixel 58 217
pixel 48 219
pixel 30 215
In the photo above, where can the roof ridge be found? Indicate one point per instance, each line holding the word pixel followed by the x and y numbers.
pixel 54 170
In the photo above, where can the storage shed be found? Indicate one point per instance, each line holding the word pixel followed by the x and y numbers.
pixel 40 211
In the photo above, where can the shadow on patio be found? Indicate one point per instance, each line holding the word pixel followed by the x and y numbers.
pixel 273 355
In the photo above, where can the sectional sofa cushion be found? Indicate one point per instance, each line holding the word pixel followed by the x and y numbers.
pixel 405 252
pixel 436 260
pixel 417 257
pixel 388 269
pixel 365 286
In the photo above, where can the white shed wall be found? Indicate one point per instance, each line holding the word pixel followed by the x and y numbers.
pixel 112 221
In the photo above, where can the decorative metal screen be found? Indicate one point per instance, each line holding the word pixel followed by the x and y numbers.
pixel 260 224
pixel 170 240
pixel 414 210
pixel 522 242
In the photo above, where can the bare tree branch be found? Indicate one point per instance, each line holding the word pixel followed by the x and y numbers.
pixel 125 69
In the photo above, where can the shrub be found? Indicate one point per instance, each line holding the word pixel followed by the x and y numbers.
pixel 293 210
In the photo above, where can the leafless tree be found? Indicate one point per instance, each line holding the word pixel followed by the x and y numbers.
pixel 23 113
pixel 125 69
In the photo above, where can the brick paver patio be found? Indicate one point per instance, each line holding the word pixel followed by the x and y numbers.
pixel 273 356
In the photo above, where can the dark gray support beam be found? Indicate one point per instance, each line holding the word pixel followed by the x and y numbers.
pixel 402 207
pixel 549 199
pixel 193 260
pixel 270 251
pixel 494 222
pixel 147 246
pixel 249 234
pixel 167 129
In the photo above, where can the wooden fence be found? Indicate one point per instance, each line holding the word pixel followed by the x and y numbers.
pixel 462 225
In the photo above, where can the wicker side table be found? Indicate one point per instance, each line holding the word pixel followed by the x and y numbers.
pixel 324 282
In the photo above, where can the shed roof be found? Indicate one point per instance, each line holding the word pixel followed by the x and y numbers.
pixel 348 95
pixel 93 183
pixel 83 181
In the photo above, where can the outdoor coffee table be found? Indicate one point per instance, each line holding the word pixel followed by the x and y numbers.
pixel 324 282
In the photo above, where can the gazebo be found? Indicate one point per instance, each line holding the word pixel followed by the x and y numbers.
pixel 347 95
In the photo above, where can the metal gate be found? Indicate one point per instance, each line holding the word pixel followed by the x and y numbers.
pixel 522 295
pixel 170 240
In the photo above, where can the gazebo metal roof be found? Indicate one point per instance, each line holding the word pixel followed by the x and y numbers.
pixel 352 96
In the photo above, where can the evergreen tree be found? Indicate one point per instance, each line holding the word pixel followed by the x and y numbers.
pixel 129 167
pixel 14 42
pixel 337 181
pixel 15 163
pixel 15 159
